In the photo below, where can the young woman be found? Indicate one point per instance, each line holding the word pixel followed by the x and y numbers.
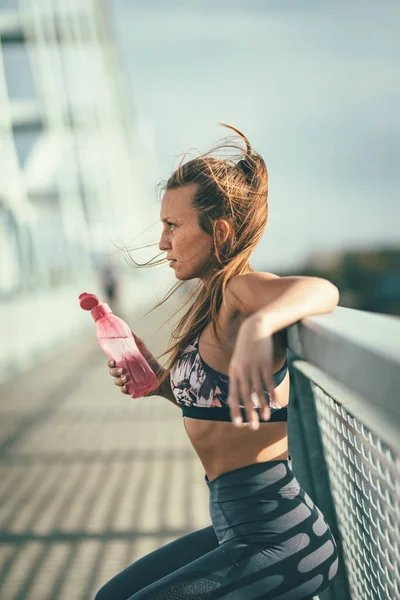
pixel 227 371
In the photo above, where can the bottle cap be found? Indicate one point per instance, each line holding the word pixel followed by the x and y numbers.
pixel 88 301
pixel 91 302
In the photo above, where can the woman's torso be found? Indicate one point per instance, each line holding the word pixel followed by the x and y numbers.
pixel 220 445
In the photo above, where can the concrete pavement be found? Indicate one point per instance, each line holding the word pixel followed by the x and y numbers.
pixel 90 479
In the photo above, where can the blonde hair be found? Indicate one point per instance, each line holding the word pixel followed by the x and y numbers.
pixel 237 192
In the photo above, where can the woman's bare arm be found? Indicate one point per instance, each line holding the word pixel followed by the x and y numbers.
pixel 282 300
pixel 165 391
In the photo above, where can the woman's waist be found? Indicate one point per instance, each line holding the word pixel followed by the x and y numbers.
pixel 223 447
pixel 259 482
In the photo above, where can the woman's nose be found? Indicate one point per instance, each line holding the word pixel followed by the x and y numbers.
pixel 164 243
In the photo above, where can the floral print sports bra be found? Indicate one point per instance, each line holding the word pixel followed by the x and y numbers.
pixel 202 391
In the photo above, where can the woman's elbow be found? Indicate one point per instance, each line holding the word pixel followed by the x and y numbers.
pixel 331 294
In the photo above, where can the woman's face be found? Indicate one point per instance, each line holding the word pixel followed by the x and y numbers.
pixel 187 245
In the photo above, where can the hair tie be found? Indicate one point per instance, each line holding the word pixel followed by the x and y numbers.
pixel 246 168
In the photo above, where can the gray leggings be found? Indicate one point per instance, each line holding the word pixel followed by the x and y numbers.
pixel 268 541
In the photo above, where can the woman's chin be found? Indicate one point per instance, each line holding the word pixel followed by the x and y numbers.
pixel 184 276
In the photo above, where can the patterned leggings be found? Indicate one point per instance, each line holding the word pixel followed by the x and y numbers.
pixel 268 541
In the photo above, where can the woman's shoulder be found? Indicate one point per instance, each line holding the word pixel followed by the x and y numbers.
pixel 252 278
pixel 242 291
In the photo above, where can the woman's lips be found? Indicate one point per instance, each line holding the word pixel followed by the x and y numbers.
pixel 172 262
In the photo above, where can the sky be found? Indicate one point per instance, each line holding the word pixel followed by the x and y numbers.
pixel 314 85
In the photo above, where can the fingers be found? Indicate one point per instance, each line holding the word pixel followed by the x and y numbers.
pixel 248 386
pixel 114 370
pixel 240 388
pixel 233 401
pixel 245 392
pixel 259 391
pixel 120 376
pixel 122 383
pixel 269 380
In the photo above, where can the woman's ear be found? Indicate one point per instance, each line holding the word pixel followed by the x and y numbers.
pixel 222 231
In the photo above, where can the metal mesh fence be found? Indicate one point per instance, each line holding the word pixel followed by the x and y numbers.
pixel 364 474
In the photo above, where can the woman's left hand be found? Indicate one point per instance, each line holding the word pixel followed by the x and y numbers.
pixel 251 371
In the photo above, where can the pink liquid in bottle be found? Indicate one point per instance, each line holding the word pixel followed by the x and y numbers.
pixel 117 341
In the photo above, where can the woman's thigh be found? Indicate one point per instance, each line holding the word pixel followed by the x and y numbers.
pixel 243 571
pixel 158 564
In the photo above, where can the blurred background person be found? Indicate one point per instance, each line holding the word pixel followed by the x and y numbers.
pixel 109 273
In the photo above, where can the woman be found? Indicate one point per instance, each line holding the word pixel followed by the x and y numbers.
pixel 227 371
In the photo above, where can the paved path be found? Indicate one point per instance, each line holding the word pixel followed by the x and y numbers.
pixel 90 480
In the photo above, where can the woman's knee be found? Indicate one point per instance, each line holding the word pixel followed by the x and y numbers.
pixel 102 594
pixel 109 591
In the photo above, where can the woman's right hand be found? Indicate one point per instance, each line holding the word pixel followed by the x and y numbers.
pixel 121 375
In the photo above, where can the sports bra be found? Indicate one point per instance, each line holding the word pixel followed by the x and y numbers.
pixel 202 392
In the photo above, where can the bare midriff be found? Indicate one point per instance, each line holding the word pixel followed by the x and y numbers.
pixel 222 446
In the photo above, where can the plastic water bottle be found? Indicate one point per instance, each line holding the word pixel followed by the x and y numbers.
pixel 116 339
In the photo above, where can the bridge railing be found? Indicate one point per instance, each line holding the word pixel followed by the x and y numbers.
pixel 344 436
